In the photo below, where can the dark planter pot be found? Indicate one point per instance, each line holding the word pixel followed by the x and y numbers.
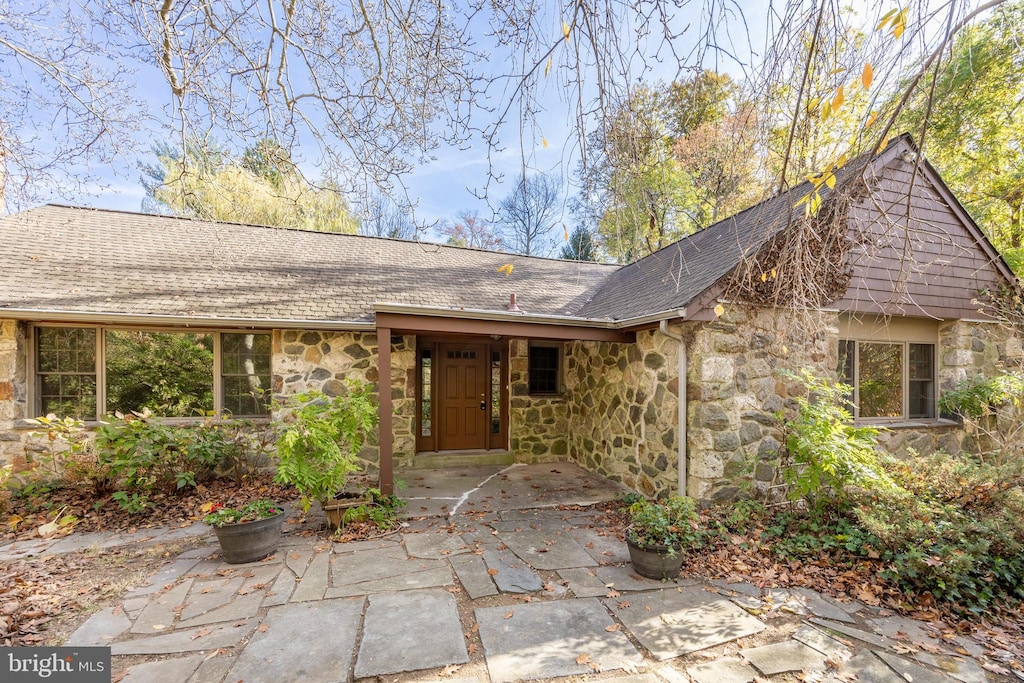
pixel 249 541
pixel 655 562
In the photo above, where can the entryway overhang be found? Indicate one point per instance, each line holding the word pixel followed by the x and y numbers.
pixel 420 320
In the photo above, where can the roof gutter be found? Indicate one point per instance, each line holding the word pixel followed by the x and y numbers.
pixel 535 318
pixel 182 320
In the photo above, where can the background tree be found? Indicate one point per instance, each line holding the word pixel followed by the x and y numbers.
pixel 527 215
pixel 975 126
pixel 379 216
pixel 261 187
pixel 469 230
pixel 580 246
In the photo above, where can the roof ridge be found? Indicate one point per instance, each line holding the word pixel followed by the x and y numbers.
pixel 194 219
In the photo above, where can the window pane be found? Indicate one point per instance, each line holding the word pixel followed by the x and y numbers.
pixel 67 349
pixel 66 371
pixel 921 390
pixel 881 380
pixel 544 369
pixel 495 392
pixel 425 393
pixel 170 373
pixel 245 369
pixel 68 396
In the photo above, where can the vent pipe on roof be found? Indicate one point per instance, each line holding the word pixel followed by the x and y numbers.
pixel 512 306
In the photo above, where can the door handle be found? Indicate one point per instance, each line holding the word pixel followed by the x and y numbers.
pixel 483 403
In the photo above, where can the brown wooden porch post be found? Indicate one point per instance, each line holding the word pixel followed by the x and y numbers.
pixel 387 471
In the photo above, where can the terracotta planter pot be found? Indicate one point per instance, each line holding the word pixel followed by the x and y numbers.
pixel 335 508
pixel 249 541
pixel 655 562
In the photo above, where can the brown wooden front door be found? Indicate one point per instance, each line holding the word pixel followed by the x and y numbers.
pixel 462 396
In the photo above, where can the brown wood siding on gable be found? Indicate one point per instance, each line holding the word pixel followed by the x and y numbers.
pixel 932 265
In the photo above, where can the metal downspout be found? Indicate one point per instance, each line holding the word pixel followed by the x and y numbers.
pixel 682 463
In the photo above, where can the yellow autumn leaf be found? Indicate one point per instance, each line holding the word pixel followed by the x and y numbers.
pixel 897 30
pixel 547 68
pixel 885 19
pixel 841 161
pixel 544 141
pixel 764 277
pixel 565 30
pixel 507 269
pixel 830 180
pixel 565 232
pixel 719 310
pixel 803 200
pixel 813 104
pixel 871 119
pixel 814 204
pixel 826 111
pixel 867 76
pixel 838 100
pixel 13 521
pixel 775 273
pixel 206 507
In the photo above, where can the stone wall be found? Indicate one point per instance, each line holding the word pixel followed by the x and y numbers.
pixel 305 360
pixel 735 390
pixel 13 390
pixel 538 425
pixel 623 410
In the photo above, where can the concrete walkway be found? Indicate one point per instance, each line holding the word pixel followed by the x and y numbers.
pixel 495 581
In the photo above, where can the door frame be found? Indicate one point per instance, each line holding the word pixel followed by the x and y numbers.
pixel 496 349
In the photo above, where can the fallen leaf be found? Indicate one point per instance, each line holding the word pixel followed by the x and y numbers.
pixel 200 634
pixel 611 628
pixel 582 659
pixel 625 604
pixel 612 593
pixel 263 628
pixel 508 615
pixel 492 571
pixel 159 627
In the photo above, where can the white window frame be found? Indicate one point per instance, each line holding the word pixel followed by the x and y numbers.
pixel 101 366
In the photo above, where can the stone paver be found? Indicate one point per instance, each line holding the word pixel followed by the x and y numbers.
pixel 410 631
pixel 911 671
pixel 683 620
pixel 101 628
pixel 584 582
pixel 472 573
pixel 304 642
pixel 783 657
pixel 167 575
pixel 315 579
pixel 208 595
pixel 737 587
pixel 547 639
pixel 166 671
pixel 822 642
pixel 820 606
pixel 545 550
pixel 724 670
pixel 191 640
pixel 242 607
pixel 858 633
pixel 434 546
pixel 603 547
pixel 383 571
pixel 160 613
pixel 511 574
pixel 212 670
pixel 870 669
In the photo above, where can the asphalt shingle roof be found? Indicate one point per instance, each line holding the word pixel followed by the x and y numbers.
pixel 98 261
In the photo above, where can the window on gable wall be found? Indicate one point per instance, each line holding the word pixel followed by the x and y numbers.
pixel 86 372
pixel 891 380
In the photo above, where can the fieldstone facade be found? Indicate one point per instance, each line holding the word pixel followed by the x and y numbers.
pixel 623 410
pixel 618 413
pixel 538 425
pixel 305 360
pixel 13 390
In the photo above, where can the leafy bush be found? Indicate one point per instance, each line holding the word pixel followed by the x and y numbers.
pixel 70 457
pixel 829 454
pixel 991 411
pixel 146 456
pixel 384 511
pixel 5 493
pixel 672 523
pixel 953 527
pixel 321 439
pixel 251 512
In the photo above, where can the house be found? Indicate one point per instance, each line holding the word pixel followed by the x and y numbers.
pixel 660 374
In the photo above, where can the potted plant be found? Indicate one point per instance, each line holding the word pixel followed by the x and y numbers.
pixel 320 443
pixel 658 535
pixel 247 534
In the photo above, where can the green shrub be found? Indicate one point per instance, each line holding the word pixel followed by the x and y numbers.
pixel 672 523
pixel 954 527
pixel 829 454
pixel 321 439
pixel 147 456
